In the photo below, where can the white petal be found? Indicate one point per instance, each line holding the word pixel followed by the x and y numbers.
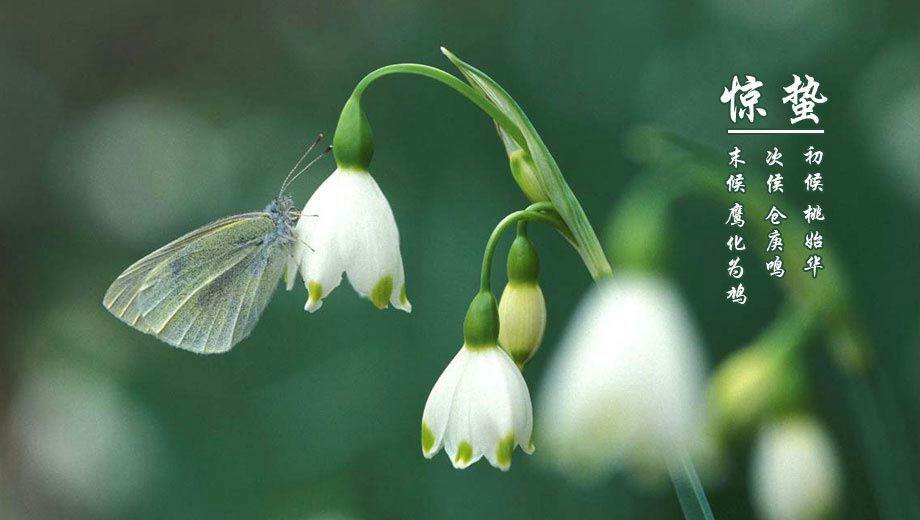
pixel 438 405
pixel 348 226
pixel 458 439
pixel 375 256
pixel 626 385
pixel 490 407
pixel 498 396
pixel 795 471
pixel 522 408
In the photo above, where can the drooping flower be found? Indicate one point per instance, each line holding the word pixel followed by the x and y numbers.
pixel 348 226
pixel 522 310
pixel 626 386
pixel 480 406
pixel 796 471
pixel 523 318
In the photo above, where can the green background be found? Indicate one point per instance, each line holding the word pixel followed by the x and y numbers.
pixel 125 124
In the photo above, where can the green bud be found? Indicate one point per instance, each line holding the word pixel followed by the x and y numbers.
pixel 353 143
pixel 752 385
pixel 523 170
pixel 523 262
pixel 522 311
pixel 480 328
pixel 522 314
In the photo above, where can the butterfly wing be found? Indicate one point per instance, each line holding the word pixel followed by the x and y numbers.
pixel 205 291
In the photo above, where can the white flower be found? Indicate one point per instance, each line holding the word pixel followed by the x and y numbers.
pixel 796 473
pixel 479 406
pixel 83 441
pixel 348 226
pixel 626 386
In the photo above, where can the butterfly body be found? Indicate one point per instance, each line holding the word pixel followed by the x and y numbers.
pixel 206 290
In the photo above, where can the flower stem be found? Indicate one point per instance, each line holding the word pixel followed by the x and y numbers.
pixel 566 206
pixel 449 80
pixel 541 211
pixel 689 490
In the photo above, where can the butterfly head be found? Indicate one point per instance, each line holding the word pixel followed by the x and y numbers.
pixel 282 209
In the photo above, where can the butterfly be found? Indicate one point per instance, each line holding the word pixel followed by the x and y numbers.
pixel 205 291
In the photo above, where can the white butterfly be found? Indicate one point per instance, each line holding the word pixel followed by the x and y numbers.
pixel 206 290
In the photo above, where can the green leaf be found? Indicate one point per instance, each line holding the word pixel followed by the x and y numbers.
pixel 547 171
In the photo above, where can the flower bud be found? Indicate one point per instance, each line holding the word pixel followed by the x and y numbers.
pixel 796 472
pixel 523 170
pixel 751 385
pixel 522 311
pixel 522 167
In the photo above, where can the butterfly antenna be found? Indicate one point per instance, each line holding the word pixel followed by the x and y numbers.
pixel 287 179
pixel 307 167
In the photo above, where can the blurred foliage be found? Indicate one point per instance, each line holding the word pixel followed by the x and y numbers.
pixel 125 124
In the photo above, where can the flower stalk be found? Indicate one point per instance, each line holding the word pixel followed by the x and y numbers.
pixel 457 416
pixel 540 211
pixel 536 173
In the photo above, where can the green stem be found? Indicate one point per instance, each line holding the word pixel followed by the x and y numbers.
pixel 579 231
pixel 449 80
pixel 790 330
pixel 689 489
pixel 522 228
pixel 533 212
pixel 547 173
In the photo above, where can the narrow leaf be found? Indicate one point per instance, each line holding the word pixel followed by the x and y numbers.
pixel 548 174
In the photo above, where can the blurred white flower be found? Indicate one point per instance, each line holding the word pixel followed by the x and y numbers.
pixel 82 441
pixel 348 226
pixel 626 386
pixel 889 111
pixel 898 142
pixel 796 472
pixel 479 406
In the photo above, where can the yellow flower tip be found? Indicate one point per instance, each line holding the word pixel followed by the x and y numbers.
pixel 402 302
pixel 427 441
pixel 314 296
pixel 503 452
pixel 464 455
pixel 380 294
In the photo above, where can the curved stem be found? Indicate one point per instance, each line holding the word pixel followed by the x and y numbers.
pixel 533 212
pixel 522 228
pixel 449 80
pixel 578 230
